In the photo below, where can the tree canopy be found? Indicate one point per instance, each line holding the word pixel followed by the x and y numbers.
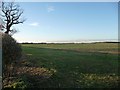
pixel 11 15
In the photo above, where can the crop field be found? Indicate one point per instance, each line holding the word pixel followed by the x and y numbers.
pixel 92 65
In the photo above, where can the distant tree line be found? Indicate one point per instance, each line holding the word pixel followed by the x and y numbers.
pixel 64 43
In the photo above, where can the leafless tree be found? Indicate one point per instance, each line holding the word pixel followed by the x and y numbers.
pixel 11 15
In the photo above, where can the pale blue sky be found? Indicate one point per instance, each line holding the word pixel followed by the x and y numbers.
pixel 57 21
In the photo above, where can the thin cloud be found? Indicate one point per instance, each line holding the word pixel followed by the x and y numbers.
pixel 34 24
pixel 50 9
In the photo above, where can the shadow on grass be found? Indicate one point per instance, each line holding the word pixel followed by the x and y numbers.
pixel 60 68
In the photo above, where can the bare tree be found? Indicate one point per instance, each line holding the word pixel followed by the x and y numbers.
pixel 11 14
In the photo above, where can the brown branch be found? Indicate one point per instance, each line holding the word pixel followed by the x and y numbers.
pixel 12 14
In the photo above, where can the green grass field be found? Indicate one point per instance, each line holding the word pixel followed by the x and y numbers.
pixel 76 65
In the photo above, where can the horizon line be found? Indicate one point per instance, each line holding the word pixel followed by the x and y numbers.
pixel 72 41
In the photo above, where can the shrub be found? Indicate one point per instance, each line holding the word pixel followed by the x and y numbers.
pixel 11 52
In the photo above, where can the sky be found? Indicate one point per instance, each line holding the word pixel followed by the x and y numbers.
pixel 68 21
pixel 63 0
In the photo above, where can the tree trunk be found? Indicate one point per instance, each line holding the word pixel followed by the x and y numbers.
pixel 7 32
pixel 8 29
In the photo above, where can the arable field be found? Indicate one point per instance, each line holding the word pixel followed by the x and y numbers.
pixel 92 65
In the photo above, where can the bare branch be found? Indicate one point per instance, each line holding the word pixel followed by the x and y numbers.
pixel 11 14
